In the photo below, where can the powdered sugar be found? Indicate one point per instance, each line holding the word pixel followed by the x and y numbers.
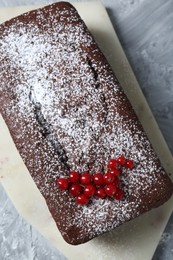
pixel 82 116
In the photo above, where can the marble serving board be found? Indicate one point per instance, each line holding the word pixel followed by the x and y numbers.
pixel 134 240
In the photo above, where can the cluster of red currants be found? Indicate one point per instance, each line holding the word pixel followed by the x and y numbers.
pixel 85 185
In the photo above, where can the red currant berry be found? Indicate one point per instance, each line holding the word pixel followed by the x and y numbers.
pixel 129 164
pixel 108 178
pixel 110 190
pixel 74 177
pixel 98 179
pixel 113 164
pixel 115 172
pixel 119 194
pixel 116 182
pixel 62 183
pixel 82 199
pixel 121 160
pixel 75 189
pixel 100 193
pixel 89 190
pixel 85 178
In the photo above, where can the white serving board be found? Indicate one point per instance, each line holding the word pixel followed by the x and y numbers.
pixel 132 241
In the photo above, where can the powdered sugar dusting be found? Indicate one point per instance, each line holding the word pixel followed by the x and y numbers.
pixel 60 85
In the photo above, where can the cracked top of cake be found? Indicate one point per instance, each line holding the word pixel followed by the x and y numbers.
pixel 66 112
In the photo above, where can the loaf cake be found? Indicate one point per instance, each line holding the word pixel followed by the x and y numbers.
pixel 67 112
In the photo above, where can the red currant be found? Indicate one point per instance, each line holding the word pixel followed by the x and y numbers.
pixel 121 160
pixel 82 199
pixel 115 172
pixel 85 178
pixel 108 178
pixel 74 177
pixel 119 194
pixel 129 164
pixel 113 164
pixel 62 183
pixel 116 182
pixel 100 193
pixel 98 179
pixel 89 190
pixel 75 189
pixel 110 190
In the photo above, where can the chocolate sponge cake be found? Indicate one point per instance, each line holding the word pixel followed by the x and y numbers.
pixel 67 112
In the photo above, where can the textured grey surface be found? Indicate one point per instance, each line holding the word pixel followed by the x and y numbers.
pixel 18 240
pixel 145 29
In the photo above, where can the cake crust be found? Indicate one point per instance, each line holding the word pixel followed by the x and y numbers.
pixel 66 111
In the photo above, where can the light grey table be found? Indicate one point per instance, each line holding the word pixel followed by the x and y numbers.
pixel 145 29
